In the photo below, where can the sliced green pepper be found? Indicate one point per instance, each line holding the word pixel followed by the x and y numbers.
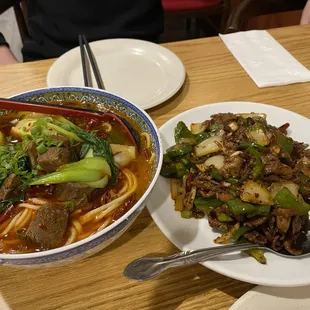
pixel 241 231
pixel 257 254
pixel 206 204
pixel 246 145
pixel 304 190
pixel 238 207
pixel 259 166
pixel 223 217
pixel 195 161
pixel 286 143
pixel 286 200
pixel 215 174
pixel 186 214
pixel 181 170
pixel 179 150
pixel 260 210
pixel 216 127
pixel 168 170
pixel 183 134
pixel 233 180
pixel 202 136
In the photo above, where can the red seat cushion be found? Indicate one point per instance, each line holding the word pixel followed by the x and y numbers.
pixel 188 5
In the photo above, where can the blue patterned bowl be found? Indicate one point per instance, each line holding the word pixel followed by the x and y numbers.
pixel 100 100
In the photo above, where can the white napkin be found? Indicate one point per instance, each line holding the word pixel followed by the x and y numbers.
pixel 266 61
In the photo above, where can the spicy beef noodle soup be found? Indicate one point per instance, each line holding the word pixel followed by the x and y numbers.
pixel 64 179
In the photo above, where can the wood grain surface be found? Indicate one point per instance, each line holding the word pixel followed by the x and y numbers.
pixel 213 75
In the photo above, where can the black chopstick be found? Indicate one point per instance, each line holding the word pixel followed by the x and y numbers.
pixel 83 41
pixel 83 59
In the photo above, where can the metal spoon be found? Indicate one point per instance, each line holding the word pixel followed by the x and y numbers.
pixel 146 268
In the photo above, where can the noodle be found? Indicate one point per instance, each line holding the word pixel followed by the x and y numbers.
pixel 11 224
pixel 147 138
pixel 106 223
pixel 28 205
pixel 106 209
pixel 76 212
pixel 22 218
pixel 4 224
pixel 77 226
pixel 38 201
pixel 26 220
pixel 72 236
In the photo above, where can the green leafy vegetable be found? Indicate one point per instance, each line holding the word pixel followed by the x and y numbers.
pixel 101 148
pixel 77 175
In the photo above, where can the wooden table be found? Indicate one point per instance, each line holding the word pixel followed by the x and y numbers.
pixel 213 75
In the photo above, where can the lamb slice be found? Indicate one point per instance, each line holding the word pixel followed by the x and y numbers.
pixel 73 191
pixel 49 226
pixel 284 217
pixel 32 153
pixel 8 186
pixel 53 158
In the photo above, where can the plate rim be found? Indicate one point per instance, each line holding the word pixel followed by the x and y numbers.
pixel 52 69
pixel 209 264
pixel 262 291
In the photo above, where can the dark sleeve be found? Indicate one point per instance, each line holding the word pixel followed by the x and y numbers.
pixel 2 40
pixel 6 4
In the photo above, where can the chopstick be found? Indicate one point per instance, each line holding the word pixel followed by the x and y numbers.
pixel 83 59
pixel 83 42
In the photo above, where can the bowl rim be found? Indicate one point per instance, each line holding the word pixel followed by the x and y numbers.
pixel 46 253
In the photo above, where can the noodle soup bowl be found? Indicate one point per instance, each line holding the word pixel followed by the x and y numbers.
pixel 104 101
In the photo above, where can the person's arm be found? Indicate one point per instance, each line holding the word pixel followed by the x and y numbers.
pixel 305 18
pixel 6 56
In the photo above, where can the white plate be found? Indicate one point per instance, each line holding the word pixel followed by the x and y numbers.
pixel 271 298
pixel 144 73
pixel 195 234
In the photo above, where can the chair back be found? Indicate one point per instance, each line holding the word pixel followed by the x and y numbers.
pixel 247 9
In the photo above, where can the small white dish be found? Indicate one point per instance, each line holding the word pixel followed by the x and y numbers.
pixel 271 298
pixel 144 73
pixel 193 234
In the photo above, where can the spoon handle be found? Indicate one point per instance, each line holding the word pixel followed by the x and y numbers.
pixel 198 256
pixel 145 268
